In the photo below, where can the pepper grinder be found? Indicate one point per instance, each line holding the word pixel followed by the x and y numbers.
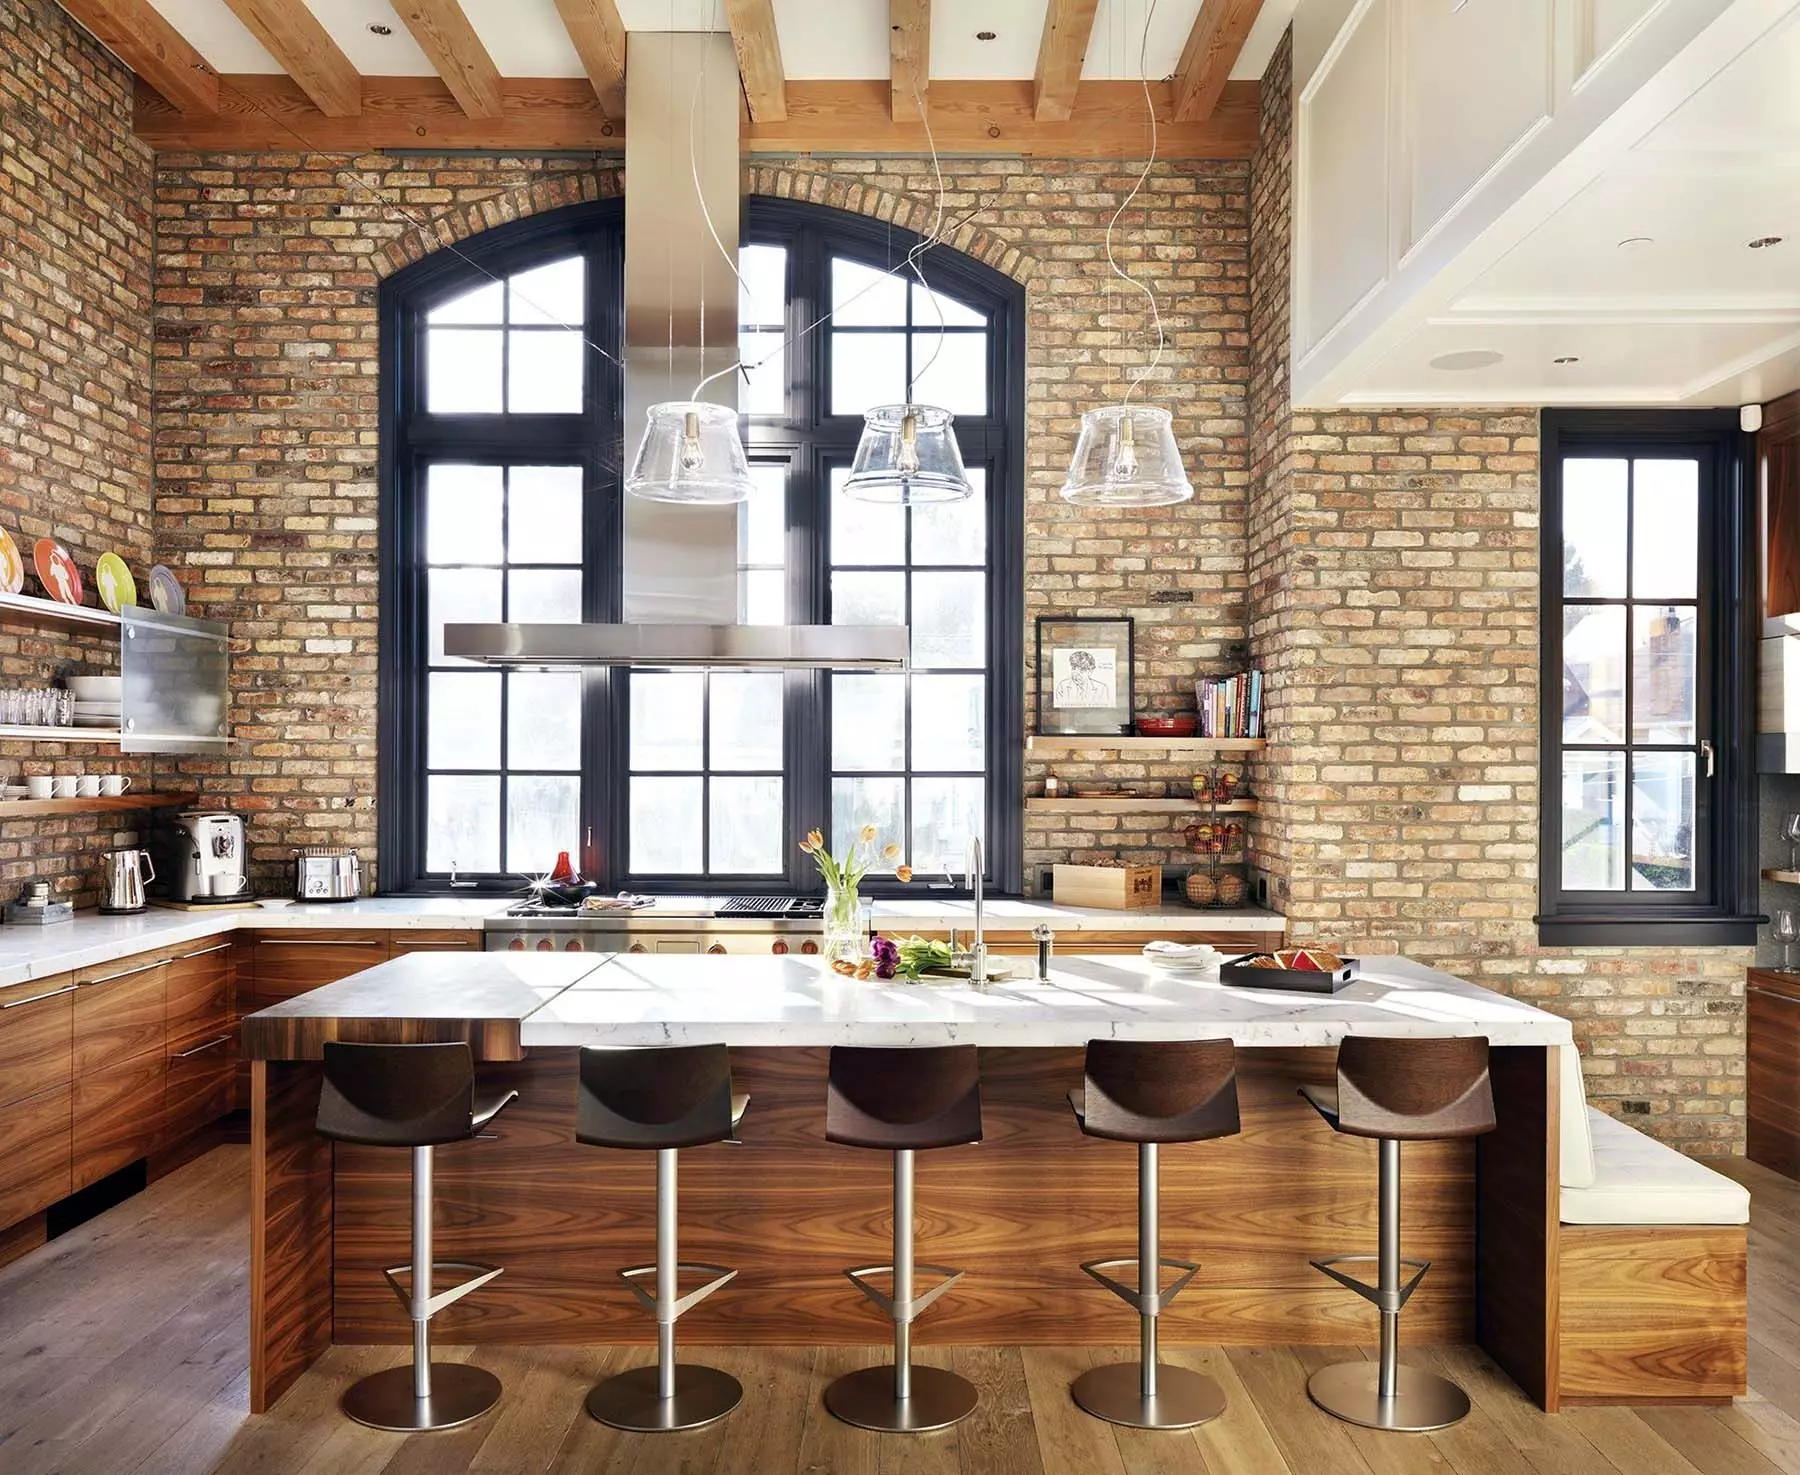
pixel 1046 940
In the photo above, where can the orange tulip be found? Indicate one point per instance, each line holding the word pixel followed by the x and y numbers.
pixel 891 853
pixel 904 873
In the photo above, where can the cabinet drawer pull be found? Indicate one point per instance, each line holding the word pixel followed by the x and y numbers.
pixel 197 1049
pixel 318 942
pixel 67 988
pixel 217 947
pixel 1751 988
pixel 125 973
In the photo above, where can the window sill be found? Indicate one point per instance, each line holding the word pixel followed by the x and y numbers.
pixel 1599 930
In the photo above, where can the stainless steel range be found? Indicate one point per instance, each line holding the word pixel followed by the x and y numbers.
pixel 665 924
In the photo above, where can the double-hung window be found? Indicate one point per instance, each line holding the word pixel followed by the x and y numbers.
pixel 1647 739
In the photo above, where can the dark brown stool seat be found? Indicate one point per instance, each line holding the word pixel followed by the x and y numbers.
pixel 1153 1092
pixel 1397 1090
pixel 902 1101
pixel 661 1100
pixel 420 1097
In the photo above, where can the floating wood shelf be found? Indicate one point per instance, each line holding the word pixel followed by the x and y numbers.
pixel 1791 877
pixel 104 803
pixel 1125 804
pixel 1101 743
pixel 24 609
pixel 62 734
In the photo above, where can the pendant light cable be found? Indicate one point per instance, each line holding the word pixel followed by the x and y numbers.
pixel 1125 204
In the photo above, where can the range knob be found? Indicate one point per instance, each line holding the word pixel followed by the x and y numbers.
pixel 517 945
pixel 778 947
pixel 545 945
pixel 809 946
pixel 717 947
pixel 637 947
pixel 573 945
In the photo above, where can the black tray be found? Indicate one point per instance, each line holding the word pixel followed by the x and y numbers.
pixel 1237 973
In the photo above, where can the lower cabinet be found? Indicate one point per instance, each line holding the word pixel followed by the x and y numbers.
pixel 1772 1006
pixel 35 1154
pixel 198 1085
pixel 118 1115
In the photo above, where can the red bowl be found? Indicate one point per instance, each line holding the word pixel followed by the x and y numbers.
pixel 1181 726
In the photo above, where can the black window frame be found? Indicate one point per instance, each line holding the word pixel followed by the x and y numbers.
pixel 807 438
pixel 1721 910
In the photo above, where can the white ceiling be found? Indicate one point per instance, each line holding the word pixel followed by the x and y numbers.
pixel 820 39
pixel 1694 316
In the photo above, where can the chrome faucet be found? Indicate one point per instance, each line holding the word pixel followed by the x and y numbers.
pixel 978 974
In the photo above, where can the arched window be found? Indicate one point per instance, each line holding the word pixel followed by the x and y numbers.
pixel 501 472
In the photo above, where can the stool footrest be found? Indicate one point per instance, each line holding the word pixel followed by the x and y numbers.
pixel 892 1309
pixel 638 1274
pixel 1153 1304
pixel 402 1288
pixel 1390 1301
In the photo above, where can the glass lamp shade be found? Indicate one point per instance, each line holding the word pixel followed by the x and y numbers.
pixel 1126 457
pixel 907 455
pixel 691 452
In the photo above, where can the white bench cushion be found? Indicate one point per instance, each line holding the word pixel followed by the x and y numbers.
pixel 1638 1180
pixel 1577 1155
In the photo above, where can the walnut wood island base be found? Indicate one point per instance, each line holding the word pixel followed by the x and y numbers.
pixel 1021 1211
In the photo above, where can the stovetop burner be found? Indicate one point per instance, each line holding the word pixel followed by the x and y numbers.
pixel 789 908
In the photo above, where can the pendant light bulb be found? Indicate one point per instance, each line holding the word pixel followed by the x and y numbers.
pixel 906 460
pixel 693 457
pixel 907 455
pixel 1125 461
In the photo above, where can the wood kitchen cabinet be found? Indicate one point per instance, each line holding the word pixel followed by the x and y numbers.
pixel 120 1040
pixel 1772 1004
pixel 200 1001
pixel 36 1081
pixel 434 940
pixel 284 964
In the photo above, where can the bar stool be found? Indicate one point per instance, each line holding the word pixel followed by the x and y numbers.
pixel 902 1101
pixel 1152 1092
pixel 660 1100
pixel 1397 1090
pixel 416 1096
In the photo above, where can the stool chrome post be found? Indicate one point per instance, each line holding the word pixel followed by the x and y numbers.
pixel 906 1398
pixel 662 1099
pixel 437 1085
pixel 1385 1394
pixel 1151 1092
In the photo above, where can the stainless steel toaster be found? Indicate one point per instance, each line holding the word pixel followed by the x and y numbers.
pixel 327 873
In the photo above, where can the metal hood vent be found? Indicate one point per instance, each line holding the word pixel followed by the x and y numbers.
pixel 680 595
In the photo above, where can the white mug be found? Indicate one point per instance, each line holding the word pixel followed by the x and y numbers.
pixel 87 785
pixel 37 786
pixel 114 784
pixel 62 786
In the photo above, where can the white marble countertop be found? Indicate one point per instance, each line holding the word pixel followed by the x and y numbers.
pixel 796 1001
pixel 90 939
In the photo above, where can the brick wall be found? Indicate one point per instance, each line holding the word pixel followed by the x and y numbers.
pixel 1393 576
pixel 266 275
pixel 74 379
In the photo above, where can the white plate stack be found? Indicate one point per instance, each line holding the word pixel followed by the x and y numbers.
pixel 99 700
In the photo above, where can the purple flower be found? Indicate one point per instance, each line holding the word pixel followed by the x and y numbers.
pixel 886 955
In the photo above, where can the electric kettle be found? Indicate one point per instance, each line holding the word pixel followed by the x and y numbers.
pixel 122 877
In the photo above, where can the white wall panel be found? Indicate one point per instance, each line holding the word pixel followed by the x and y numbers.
pixel 1608 21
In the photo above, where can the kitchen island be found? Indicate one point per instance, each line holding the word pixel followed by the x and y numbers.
pixel 1021 1211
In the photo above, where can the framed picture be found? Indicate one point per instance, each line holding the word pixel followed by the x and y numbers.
pixel 1084 667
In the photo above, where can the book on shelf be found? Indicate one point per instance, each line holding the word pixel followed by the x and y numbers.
pixel 1230 706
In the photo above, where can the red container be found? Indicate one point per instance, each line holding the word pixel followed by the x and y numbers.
pixel 1183 725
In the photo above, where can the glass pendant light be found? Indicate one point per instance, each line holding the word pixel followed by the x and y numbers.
pixel 908 455
pixel 691 452
pixel 1127 457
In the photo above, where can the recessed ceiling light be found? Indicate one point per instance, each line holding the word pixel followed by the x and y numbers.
pixel 376 28
pixel 1468 358
pixel 1636 243
pixel 985 35
pixel 1567 358
pixel 1762 241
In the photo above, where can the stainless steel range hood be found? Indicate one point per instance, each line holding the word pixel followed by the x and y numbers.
pixel 680 563
pixel 838 647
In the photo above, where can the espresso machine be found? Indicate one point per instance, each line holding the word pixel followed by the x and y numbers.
pixel 206 860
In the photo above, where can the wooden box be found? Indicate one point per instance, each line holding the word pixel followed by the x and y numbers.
pixel 1116 888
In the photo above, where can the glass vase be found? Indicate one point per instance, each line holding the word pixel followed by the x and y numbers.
pixel 846 929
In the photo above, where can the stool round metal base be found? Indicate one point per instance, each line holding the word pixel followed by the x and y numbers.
pixel 459 1394
pixel 866 1399
pixel 1116 1393
pixel 1422 1400
pixel 629 1400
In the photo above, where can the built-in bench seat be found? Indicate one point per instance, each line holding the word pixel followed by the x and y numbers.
pixel 1652 1257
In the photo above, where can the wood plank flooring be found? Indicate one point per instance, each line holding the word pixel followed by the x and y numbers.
pixel 123 1352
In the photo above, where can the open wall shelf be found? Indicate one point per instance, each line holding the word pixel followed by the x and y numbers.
pixel 101 804
pixel 1048 744
pixel 1125 804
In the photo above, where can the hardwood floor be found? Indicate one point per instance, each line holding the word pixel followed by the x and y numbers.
pixel 123 1352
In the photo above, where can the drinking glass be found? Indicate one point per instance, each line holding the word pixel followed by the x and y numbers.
pixel 1791 833
pixel 1786 933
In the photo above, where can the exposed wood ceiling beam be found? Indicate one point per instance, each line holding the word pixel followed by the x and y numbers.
pixel 451 45
pixel 759 58
pixel 1067 26
pixel 259 112
pixel 295 39
pixel 599 36
pixel 909 57
pixel 132 31
pixel 1210 54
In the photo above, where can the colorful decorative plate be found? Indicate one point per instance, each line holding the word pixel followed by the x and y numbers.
pixel 113 579
pixel 56 571
pixel 166 593
pixel 12 567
